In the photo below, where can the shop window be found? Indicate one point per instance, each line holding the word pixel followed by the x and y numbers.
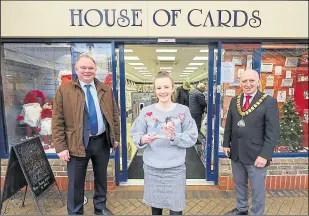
pixel 284 75
pixel 31 74
pixel 102 55
pixel 236 58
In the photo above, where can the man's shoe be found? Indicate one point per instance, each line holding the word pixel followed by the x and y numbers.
pixel 104 211
pixel 237 212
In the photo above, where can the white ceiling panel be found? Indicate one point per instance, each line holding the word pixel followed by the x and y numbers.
pixel 148 59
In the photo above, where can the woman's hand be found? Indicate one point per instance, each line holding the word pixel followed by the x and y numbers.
pixel 148 138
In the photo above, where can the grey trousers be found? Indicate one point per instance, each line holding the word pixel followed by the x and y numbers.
pixel 257 176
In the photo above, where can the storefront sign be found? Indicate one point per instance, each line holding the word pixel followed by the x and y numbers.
pixel 125 18
pixel 155 19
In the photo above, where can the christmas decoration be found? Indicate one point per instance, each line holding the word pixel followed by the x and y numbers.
pixel 30 114
pixel 64 76
pixel 290 127
pixel 44 128
pixel 109 79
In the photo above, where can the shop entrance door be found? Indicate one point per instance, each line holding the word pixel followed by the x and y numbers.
pixel 213 112
pixel 209 146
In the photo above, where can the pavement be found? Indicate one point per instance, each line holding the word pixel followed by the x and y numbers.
pixel 128 200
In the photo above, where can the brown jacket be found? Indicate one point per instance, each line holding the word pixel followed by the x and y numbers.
pixel 68 110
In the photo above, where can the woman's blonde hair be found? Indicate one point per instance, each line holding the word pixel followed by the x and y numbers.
pixel 164 74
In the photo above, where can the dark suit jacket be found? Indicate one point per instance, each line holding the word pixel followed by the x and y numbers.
pixel 260 135
pixel 182 96
pixel 197 102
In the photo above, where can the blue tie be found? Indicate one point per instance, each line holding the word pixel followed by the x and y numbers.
pixel 92 112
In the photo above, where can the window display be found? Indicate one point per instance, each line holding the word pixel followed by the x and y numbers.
pixel 44 128
pixel 31 74
pixel 31 109
pixel 284 76
pixel 230 88
pixel 289 89
pixel 291 129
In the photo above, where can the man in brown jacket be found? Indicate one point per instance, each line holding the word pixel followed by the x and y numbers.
pixel 85 125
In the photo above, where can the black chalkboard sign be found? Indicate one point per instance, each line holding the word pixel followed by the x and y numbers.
pixel 14 179
pixel 28 165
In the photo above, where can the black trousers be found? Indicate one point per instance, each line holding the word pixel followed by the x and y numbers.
pixel 98 151
pixel 198 120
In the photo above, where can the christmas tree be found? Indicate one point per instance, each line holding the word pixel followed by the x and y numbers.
pixel 291 131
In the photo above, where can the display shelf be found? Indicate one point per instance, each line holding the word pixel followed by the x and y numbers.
pixel 131 148
pixel 200 152
pixel 130 161
pixel 130 87
pixel 200 148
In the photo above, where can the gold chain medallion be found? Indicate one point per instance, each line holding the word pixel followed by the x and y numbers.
pixel 242 123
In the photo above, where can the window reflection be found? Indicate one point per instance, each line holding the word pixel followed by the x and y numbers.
pixel 31 74
pixel 283 75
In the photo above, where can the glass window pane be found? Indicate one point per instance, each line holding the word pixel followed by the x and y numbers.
pixel 31 74
pixel 235 59
pixel 284 75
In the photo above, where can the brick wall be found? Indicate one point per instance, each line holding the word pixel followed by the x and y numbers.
pixel 283 173
pixel 60 172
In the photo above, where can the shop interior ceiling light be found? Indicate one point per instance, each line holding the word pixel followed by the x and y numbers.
pixel 196 64
pixel 200 58
pixel 205 50
pixel 136 63
pixel 191 68
pixel 166 58
pixel 166 68
pixel 166 50
pixel 131 58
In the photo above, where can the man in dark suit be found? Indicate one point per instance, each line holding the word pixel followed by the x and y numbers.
pixel 85 125
pixel 250 136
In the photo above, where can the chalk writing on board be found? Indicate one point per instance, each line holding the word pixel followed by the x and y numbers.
pixel 35 165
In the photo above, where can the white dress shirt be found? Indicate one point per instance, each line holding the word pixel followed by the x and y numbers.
pixel 93 91
pixel 252 96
